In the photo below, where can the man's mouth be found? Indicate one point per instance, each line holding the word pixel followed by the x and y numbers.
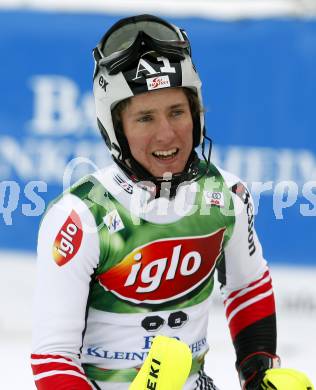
pixel 166 154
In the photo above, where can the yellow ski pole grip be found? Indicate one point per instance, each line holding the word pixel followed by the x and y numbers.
pixel 286 379
pixel 166 367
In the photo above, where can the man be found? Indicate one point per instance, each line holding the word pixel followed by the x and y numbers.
pixel 130 252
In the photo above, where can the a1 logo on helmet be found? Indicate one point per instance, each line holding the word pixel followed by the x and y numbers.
pixel 145 67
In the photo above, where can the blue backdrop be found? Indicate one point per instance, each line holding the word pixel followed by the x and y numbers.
pixel 259 85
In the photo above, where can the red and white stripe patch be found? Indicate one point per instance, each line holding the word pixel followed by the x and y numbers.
pixel 52 371
pixel 250 304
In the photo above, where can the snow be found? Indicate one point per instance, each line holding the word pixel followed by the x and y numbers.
pixel 296 304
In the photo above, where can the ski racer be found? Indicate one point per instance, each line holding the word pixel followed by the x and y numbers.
pixel 131 251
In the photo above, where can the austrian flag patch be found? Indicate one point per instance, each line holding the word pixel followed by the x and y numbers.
pixel 68 239
pixel 158 82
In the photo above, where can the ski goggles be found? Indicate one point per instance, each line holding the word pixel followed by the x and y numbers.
pixel 129 37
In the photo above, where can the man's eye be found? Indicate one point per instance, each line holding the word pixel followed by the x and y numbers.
pixel 177 112
pixel 145 118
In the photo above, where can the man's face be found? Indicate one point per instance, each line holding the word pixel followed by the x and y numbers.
pixel 159 129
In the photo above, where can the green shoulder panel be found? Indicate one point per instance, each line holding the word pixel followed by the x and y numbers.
pixel 97 199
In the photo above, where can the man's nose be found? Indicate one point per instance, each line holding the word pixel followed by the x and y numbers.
pixel 165 130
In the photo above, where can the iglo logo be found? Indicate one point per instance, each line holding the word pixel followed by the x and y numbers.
pixel 164 270
pixel 68 239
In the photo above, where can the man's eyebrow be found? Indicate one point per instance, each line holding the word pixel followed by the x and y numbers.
pixel 145 112
pixel 152 110
pixel 177 105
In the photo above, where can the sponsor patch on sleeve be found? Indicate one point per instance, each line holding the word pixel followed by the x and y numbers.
pixel 241 191
pixel 214 198
pixel 68 240
pixel 113 222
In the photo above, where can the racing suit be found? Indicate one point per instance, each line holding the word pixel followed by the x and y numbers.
pixel 118 265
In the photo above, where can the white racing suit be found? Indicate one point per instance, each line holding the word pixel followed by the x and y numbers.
pixel 117 266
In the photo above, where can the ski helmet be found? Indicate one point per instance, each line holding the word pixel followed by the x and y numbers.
pixel 140 54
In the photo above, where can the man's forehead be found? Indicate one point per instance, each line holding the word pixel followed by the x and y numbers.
pixel 154 100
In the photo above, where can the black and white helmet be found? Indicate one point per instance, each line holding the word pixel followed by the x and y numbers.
pixel 140 54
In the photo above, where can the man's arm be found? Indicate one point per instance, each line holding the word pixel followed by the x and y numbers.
pixel 247 290
pixel 68 252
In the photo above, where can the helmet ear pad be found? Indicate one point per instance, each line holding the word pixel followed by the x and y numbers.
pixel 122 151
pixel 104 134
pixel 124 145
pixel 196 111
pixel 196 130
